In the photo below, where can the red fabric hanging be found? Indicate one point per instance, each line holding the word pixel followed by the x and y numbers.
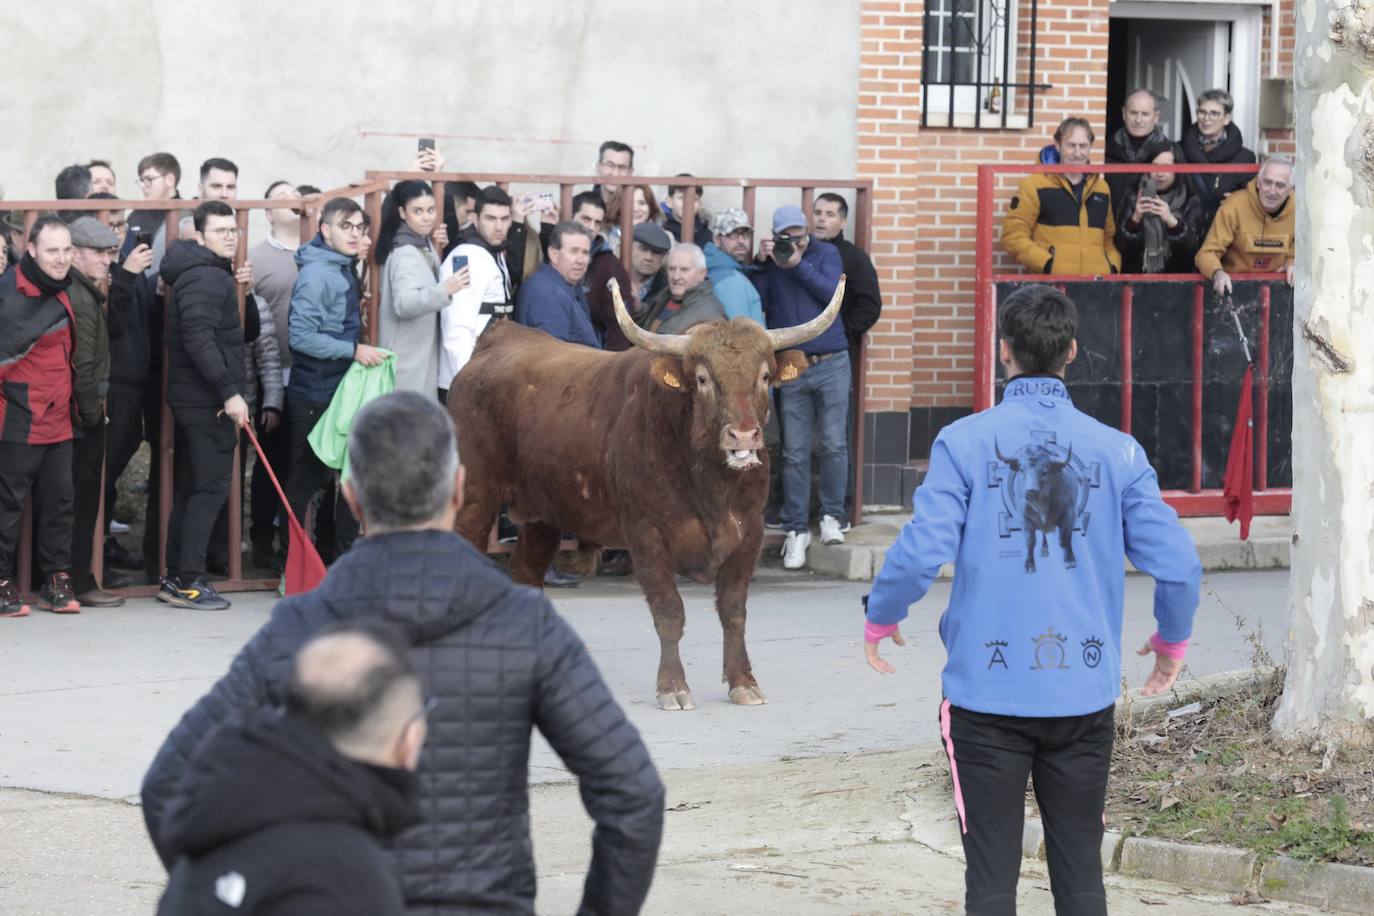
pixel 304 568
pixel 1239 482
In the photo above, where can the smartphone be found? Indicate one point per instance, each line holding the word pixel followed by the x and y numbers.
pixel 1148 187
pixel 545 201
pixel 426 143
pixel 459 262
pixel 143 238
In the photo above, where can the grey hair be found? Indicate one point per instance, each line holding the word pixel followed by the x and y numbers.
pixel 1278 159
pixel 1154 97
pixel 1220 96
pixel 693 249
pixel 403 456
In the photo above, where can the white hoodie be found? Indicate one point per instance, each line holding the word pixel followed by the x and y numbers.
pixel 461 322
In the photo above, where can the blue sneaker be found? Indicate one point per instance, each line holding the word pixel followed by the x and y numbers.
pixel 198 595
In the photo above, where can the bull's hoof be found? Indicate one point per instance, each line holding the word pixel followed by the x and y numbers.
pixel 1070 563
pixel 672 700
pixel 748 696
pixel 1030 566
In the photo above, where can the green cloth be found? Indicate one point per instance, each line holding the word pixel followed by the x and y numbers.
pixel 360 384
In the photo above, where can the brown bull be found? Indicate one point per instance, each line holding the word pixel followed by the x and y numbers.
pixel 658 450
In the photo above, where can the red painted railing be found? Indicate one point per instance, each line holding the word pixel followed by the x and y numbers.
pixel 1195 501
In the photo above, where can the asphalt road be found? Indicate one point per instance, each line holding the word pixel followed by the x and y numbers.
pixel 86 700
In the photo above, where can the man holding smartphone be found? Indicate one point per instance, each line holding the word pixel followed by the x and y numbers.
pixel 488 296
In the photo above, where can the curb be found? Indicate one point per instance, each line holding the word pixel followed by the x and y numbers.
pixel 861 562
pixel 1325 885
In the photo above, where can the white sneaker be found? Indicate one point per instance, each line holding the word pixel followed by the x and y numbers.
pixel 794 549
pixel 831 532
pixel 118 527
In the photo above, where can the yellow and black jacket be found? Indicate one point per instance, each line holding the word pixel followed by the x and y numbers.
pixel 1050 229
pixel 1247 238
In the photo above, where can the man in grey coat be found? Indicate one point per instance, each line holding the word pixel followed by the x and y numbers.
pixel 496 659
pixel 688 299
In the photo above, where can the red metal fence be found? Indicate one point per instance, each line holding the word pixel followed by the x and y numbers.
pixel 373 190
pixel 1193 499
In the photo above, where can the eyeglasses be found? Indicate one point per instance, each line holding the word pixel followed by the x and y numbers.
pixel 616 167
pixel 149 178
pixel 224 232
pixel 1209 113
pixel 119 225
pixel 351 228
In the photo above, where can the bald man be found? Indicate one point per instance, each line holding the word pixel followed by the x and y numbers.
pixel 283 813
pixel 1128 144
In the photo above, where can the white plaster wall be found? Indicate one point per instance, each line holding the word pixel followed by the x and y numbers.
pixel 319 92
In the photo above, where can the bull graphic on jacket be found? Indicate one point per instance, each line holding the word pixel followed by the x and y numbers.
pixel 1045 491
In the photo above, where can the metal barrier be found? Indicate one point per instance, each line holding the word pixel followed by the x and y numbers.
pixel 373 190
pixel 1194 498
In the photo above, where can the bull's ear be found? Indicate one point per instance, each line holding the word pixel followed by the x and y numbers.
pixel 791 364
pixel 668 372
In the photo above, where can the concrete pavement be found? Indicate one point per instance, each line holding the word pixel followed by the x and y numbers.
pixel 87 699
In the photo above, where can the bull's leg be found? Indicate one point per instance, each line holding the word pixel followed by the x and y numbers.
pixel 732 592
pixel 1030 546
pixel 476 518
pixel 1066 543
pixel 660 590
pixel 1044 544
pixel 534 552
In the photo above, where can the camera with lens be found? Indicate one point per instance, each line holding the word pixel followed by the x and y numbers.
pixel 784 245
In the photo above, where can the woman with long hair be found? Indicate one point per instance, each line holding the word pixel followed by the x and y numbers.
pixel 645 210
pixel 411 293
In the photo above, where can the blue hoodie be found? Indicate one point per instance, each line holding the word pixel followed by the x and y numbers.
pixel 324 320
pixel 1032 629
pixel 732 286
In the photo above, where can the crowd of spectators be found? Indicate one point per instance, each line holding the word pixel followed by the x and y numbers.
pixel 1213 223
pixel 85 296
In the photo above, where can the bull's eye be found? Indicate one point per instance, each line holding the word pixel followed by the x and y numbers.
pixel 767 376
pixel 703 381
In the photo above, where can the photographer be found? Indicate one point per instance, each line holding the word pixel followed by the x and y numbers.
pixel 1160 220
pixel 799 275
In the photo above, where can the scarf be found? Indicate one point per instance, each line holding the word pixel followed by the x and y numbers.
pixel 1225 148
pixel 35 275
pixel 1158 247
pixel 408 236
pixel 470 236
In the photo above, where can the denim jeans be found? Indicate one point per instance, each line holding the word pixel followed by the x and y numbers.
pixel 817 403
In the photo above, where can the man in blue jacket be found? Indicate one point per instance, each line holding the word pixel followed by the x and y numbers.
pixel 553 299
pixel 325 327
pixel 800 273
pixel 1033 631
pixel 726 257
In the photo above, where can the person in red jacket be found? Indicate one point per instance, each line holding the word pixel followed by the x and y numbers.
pixel 37 338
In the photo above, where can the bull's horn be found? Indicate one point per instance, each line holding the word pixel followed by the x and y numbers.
pixel 800 334
pixel 666 344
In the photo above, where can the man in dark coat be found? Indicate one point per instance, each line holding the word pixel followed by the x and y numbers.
pixel 95 246
pixel 280 815
pixel 1127 145
pixel 496 659
pixel 205 388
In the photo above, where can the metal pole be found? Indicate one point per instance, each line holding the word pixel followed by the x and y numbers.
pixel 1127 369
pixel 985 296
pixel 234 549
pixel 1197 388
pixel 689 213
pixel 167 430
pixel 1262 421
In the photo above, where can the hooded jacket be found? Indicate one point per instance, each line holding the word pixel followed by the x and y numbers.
pixel 205 357
pixel 732 286
pixel 36 342
pixel 1035 630
pixel 273 821
pixel 1245 237
pixel 498 661
pixel 91 355
pixel 324 321
pixel 1053 228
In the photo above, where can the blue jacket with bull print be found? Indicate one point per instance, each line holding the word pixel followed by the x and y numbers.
pixel 1037 505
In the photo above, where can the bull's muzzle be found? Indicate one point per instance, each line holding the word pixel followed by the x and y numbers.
pixel 741 447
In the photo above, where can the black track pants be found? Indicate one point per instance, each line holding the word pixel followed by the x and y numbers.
pixel 1067 758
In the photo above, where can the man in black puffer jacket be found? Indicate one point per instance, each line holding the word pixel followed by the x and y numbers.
pixel 495 658
pixel 205 386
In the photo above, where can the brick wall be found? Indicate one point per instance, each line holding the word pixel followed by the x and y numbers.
pixel 925 183
pixel 1279 141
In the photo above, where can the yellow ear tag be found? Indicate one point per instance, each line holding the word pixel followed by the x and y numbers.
pixel 671 380
pixel 789 372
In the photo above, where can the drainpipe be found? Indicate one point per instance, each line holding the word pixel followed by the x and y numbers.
pixel 1274 38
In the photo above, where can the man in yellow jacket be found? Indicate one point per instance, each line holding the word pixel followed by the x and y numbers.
pixel 1253 229
pixel 1062 224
